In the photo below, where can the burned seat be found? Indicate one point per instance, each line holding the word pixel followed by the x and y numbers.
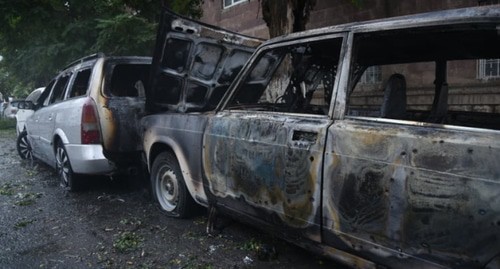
pixel 394 103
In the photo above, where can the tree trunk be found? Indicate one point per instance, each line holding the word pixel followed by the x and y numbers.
pixel 286 16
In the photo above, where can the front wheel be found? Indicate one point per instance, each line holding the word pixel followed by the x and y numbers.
pixel 23 146
pixel 64 170
pixel 169 188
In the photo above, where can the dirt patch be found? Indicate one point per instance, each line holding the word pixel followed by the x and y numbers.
pixel 111 225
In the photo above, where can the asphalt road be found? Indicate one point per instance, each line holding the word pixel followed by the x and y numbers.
pixel 110 224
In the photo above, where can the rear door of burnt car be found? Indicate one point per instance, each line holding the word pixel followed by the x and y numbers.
pixel 263 151
pixel 411 163
pixel 194 64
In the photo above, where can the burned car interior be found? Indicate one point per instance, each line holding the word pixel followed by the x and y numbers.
pixel 425 61
pixel 128 80
pixel 294 79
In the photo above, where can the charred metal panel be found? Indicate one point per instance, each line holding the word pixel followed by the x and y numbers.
pixel 194 64
pixel 402 195
pixel 271 162
pixel 181 133
pixel 121 105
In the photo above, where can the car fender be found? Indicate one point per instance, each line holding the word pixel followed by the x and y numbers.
pixel 153 142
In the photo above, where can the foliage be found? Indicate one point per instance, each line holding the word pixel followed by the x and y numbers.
pixel 6 123
pixel 39 37
pixel 127 241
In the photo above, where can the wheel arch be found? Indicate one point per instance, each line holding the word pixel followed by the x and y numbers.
pixel 58 136
pixel 168 145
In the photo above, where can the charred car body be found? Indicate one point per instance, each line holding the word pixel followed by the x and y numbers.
pixel 301 145
pixel 85 122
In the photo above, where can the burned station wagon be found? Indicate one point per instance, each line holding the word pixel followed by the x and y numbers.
pixel 375 143
pixel 85 120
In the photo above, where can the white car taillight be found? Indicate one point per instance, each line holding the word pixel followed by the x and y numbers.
pixel 90 124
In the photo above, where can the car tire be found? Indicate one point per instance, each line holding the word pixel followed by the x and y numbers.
pixel 169 188
pixel 23 146
pixel 69 180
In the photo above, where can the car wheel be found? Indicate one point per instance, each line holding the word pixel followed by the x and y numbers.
pixel 169 187
pixel 23 146
pixel 63 168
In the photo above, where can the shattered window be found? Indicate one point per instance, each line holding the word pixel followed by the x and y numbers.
pixel 428 75
pixel 296 78
pixel 176 57
pixel 206 59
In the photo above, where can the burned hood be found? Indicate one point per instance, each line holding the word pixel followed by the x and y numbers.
pixel 194 64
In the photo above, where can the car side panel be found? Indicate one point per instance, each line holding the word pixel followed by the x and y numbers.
pixel 181 133
pixel 414 195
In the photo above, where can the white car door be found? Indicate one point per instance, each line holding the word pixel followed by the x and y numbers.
pixel 41 125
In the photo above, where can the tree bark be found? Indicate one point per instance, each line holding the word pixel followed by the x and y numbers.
pixel 286 16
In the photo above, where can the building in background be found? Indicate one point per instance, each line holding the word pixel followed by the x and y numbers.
pixel 474 85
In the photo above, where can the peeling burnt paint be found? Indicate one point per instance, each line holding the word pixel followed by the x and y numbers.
pixel 258 158
pixel 121 104
pixel 431 200
pixel 371 191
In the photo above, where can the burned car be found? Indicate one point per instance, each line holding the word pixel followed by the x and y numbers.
pixel 375 143
pixel 85 121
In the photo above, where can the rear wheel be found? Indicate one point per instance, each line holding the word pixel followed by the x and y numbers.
pixel 23 146
pixel 169 188
pixel 64 170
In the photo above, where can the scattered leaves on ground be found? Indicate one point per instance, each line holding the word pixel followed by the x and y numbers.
pixel 127 241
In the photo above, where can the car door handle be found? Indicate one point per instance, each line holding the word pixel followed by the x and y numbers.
pixel 304 136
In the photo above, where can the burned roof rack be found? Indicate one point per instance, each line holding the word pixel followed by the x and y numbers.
pixel 86 58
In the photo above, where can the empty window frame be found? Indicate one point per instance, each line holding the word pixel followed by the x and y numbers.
pixel 128 79
pixel 429 75
pixel 372 75
pixel 296 79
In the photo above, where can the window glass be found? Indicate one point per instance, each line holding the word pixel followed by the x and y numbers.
pixel 81 83
pixel 59 89
pixel 296 79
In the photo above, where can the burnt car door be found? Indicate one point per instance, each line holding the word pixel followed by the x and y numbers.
pixel 263 151
pixel 413 182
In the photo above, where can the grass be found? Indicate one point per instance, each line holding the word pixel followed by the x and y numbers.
pixel 6 189
pixel 6 124
pixel 23 223
pixel 27 199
